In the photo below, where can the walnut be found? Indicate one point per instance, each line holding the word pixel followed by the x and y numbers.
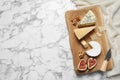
pixel 81 54
pixel 75 20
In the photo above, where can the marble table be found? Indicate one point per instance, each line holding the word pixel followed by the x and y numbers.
pixel 34 41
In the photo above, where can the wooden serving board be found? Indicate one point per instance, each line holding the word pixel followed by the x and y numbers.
pixel 76 47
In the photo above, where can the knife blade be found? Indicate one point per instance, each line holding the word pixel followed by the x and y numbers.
pixel 108 55
pixel 105 62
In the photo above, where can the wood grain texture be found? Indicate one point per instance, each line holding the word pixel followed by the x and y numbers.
pixel 76 47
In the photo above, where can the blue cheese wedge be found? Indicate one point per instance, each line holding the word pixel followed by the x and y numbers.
pixel 88 20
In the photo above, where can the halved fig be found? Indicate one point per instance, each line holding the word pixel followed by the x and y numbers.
pixel 92 63
pixel 82 66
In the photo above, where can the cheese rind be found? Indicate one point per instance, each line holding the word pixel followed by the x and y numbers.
pixel 81 32
pixel 88 20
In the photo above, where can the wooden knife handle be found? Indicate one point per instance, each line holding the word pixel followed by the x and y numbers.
pixel 104 66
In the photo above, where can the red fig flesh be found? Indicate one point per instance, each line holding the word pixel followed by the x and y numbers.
pixel 92 63
pixel 82 66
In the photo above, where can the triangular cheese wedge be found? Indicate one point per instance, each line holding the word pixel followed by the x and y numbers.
pixel 88 19
pixel 81 32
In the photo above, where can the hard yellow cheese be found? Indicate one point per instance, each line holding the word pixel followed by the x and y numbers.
pixel 81 32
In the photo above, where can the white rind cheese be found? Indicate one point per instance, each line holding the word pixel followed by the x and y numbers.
pixel 96 49
pixel 88 19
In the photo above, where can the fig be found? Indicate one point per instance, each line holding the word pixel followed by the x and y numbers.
pixel 82 66
pixel 91 63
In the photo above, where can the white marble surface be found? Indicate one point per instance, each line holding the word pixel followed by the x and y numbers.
pixel 34 42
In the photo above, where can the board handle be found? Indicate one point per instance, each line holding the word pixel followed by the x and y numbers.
pixel 104 66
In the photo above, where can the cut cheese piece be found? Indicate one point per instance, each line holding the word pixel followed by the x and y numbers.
pixel 88 20
pixel 84 44
pixel 96 49
pixel 81 32
pixel 94 37
pixel 101 28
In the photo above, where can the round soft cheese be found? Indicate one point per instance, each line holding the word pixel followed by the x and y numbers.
pixel 96 49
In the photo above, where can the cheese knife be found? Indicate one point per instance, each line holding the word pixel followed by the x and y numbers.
pixel 105 62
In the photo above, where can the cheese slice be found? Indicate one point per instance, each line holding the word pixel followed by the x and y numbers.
pixel 81 32
pixel 84 44
pixel 88 19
